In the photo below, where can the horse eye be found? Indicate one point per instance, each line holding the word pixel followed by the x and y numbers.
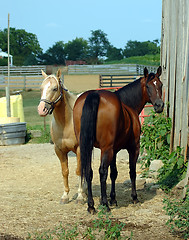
pixel 55 89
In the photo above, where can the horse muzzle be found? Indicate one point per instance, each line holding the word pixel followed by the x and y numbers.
pixel 158 106
pixel 44 108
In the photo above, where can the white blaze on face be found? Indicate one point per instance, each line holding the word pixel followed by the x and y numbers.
pixel 155 83
pixel 45 90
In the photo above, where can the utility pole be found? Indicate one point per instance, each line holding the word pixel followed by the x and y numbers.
pixel 7 88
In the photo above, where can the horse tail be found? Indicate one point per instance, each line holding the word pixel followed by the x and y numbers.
pixel 88 132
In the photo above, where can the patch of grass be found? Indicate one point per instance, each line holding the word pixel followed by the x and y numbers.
pixel 150 60
pixel 178 211
pixel 44 137
pixel 2 93
pixel 102 228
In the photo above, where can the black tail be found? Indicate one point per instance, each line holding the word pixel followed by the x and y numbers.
pixel 88 132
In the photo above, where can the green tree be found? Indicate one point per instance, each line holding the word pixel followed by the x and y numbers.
pixel 54 55
pixel 136 48
pixel 98 44
pixel 114 53
pixel 22 44
pixel 76 49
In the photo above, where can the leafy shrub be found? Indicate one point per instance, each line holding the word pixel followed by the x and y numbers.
pixel 155 138
pixel 155 144
pixel 178 210
pixel 173 170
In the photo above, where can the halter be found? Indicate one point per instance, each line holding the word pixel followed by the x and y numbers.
pixel 52 103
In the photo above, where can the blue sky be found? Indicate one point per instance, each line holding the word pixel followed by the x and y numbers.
pixel 60 20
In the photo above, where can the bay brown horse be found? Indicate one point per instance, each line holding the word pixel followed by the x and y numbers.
pixel 56 99
pixel 110 121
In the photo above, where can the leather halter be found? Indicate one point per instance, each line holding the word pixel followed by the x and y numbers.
pixel 50 110
pixel 52 103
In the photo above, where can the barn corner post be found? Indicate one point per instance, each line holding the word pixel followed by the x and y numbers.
pixel 175 66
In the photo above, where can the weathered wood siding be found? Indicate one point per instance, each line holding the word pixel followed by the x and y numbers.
pixel 175 63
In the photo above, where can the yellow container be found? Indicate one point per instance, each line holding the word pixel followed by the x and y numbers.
pixel 4 120
pixel 17 109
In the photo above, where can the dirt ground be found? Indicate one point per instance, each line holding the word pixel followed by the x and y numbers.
pixel 31 187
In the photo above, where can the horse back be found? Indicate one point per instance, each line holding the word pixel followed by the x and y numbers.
pixel 108 117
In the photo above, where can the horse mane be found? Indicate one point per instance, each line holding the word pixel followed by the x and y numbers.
pixel 131 94
pixel 71 97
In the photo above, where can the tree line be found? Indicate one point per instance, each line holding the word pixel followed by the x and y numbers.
pixel 26 49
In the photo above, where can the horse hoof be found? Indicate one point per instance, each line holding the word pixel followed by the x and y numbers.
pixel 64 201
pixel 135 201
pixel 113 203
pixel 91 210
pixel 108 209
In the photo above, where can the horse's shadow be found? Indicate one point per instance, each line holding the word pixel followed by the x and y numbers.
pixel 123 194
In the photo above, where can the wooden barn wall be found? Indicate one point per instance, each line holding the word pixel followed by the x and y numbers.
pixel 175 64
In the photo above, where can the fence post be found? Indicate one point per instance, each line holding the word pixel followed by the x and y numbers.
pixel 111 81
pixel 142 116
pixel 137 69
pixel 24 82
pixel 100 82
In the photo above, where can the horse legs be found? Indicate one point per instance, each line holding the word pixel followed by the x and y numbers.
pixel 91 208
pixel 106 158
pixel 133 156
pixel 113 176
pixel 82 186
pixel 65 172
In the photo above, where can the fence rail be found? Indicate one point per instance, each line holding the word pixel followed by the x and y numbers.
pixel 30 76
pixel 22 70
pixel 125 69
pixel 115 80
pixel 21 82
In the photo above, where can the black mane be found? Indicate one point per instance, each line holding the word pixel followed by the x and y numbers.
pixel 131 94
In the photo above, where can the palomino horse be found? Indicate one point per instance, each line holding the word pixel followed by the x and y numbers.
pixel 110 121
pixel 57 99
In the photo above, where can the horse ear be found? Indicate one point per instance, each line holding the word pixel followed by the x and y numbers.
pixel 58 75
pixel 145 72
pixel 44 74
pixel 159 71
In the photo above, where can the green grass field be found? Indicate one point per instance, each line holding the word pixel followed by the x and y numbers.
pixel 149 60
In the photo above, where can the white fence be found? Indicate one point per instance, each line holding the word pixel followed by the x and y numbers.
pixel 21 82
pixel 127 69
pixel 22 70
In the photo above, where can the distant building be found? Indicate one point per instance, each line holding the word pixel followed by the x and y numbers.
pixel 4 54
pixel 78 62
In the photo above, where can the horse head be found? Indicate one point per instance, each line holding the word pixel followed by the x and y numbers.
pixel 51 93
pixel 154 89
